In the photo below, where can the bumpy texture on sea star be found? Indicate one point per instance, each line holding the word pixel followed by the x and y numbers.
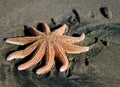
pixel 46 43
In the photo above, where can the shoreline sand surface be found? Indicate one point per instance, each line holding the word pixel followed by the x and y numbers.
pixel 98 19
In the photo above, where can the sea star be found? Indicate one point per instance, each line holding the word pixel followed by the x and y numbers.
pixel 46 43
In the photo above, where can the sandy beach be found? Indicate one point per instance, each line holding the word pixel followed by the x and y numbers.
pixel 98 19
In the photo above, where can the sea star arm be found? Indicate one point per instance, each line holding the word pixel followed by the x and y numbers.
pixel 61 56
pixel 50 54
pixel 46 27
pixel 71 48
pixel 60 30
pixel 34 30
pixel 23 53
pixel 36 57
pixel 21 40
pixel 72 40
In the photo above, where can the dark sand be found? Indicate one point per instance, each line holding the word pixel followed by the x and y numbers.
pixel 98 19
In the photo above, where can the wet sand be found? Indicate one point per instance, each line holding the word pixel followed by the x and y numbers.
pixel 99 20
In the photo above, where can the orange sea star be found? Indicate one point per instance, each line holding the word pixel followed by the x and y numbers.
pixel 46 43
